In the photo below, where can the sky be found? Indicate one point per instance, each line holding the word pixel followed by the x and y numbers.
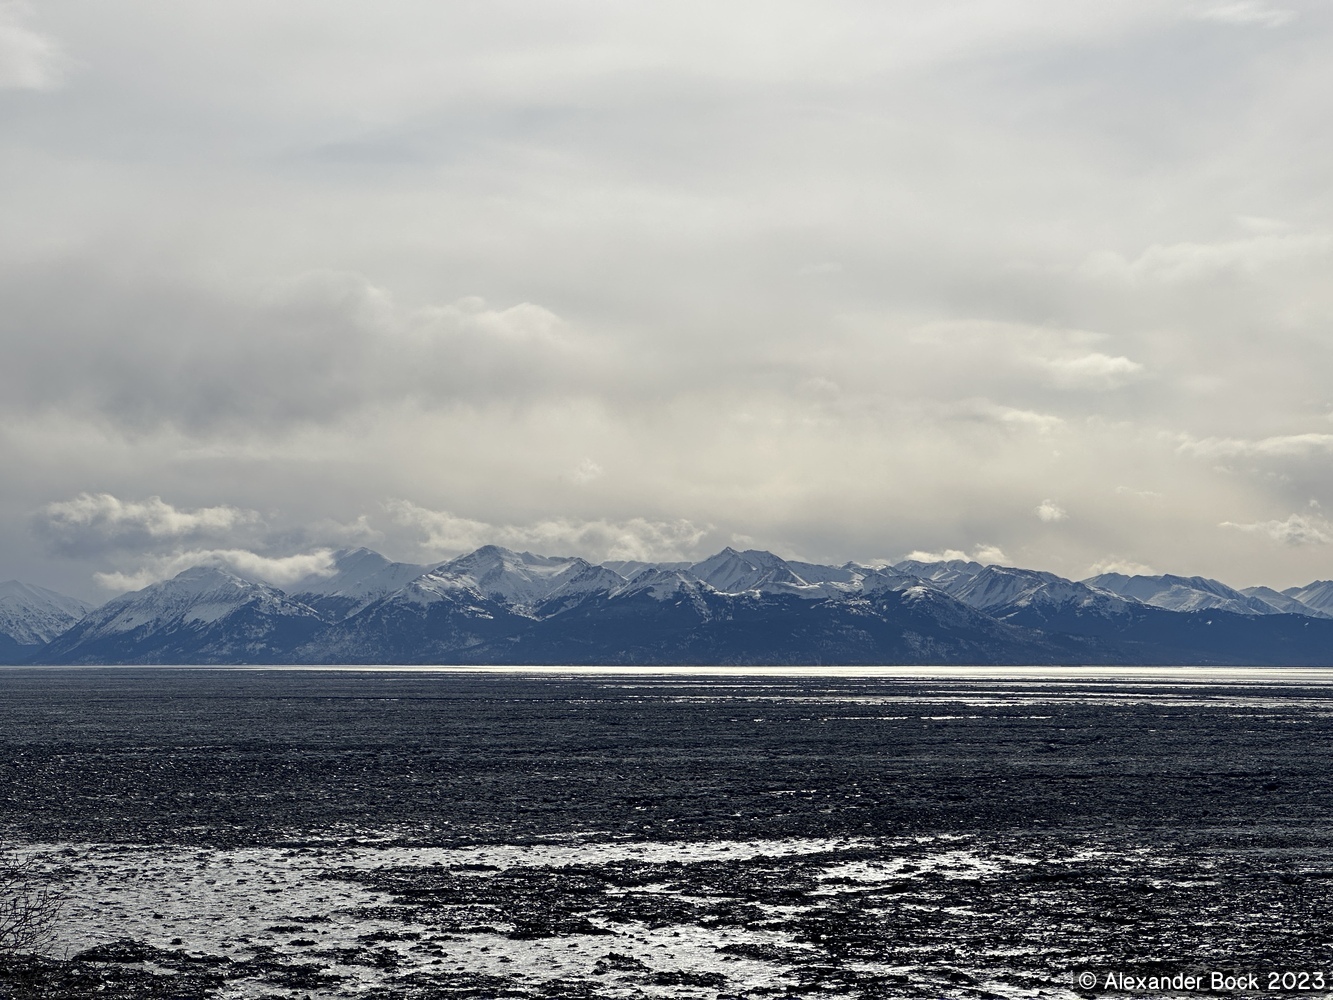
pixel 1036 282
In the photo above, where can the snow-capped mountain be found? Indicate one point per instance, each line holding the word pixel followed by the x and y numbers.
pixel 1032 596
pixel 732 572
pixel 1283 603
pixel 629 568
pixel 663 585
pixel 358 577
pixel 667 617
pixel 756 571
pixel 577 587
pixel 1182 593
pixel 31 616
pixel 1317 595
pixel 519 579
pixel 203 615
pixel 947 575
pixel 848 575
pixel 498 606
pixel 434 619
pixel 998 586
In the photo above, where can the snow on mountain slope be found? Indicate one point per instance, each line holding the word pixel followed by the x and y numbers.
pixel 868 581
pixel 577 586
pixel 1284 603
pixel 1317 595
pixel 203 615
pixel 359 577
pixel 848 576
pixel 1182 593
pixel 663 585
pixel 434 588
pixel 944 610
pixel 948 575
pixel 200 595
pixel 630 568
pixel 359 573
pixel 520 579
pixel 1004 589
pixel 498 606
pixel 32 616
pixel 732 572
pixel 434 619
pixel 996 586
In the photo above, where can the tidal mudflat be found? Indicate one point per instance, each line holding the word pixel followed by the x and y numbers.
pixel 239 833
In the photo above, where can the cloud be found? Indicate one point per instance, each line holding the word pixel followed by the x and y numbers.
pixel 985 411
pixel 100 522
pixel 1050 511
pixel 29 60
pixel 1246 12
pixel 1114 564
pixel 309 350
pixel 587 471
pixel 827 267
pixel 989 555
pixel 1152 495
pixel 943 555
pixel 1180 263
pixel 1090 371
pixel 444 534
pixel 1297 530
pixel 1004 352
pixel 280 571
pixel 260 284
pixel 1280 446
pixel 359 531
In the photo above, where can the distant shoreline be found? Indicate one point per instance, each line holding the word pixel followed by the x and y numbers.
pixel 1184 674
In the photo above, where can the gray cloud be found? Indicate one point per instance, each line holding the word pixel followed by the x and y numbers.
pixel 29 59
pixel 444 535
pixel 94 523
pixel 1223 260
pixel 1114 564
pixel 1247 12
pixel 314 348
pixel 1297 529
pixel 982 553
pixel 1050 511
pixel 847 279
pixel 281 571
pixel 1280 446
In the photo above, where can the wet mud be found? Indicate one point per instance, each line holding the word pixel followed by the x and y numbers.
pixel 277 834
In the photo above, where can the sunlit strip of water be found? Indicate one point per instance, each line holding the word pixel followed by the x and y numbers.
pixel 1220 675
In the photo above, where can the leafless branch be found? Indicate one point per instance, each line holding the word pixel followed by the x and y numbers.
pixel 29 905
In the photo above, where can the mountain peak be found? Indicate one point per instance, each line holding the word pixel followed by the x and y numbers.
pixel 202 578
pixel 359 556
pixel 662 584
pixel 521 579
pixel 31 616
pixel 1182 593
pixel 358 577
pixel 204 614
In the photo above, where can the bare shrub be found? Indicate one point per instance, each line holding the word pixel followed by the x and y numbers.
pixel 29 904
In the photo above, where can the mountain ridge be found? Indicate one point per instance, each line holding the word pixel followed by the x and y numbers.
pixel 495 605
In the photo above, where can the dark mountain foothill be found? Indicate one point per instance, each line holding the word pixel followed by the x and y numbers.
pixel 495 606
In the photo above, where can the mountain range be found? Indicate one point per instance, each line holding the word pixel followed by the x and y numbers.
pixel 495 606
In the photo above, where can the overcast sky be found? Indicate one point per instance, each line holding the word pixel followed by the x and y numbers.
pixel 1039 281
